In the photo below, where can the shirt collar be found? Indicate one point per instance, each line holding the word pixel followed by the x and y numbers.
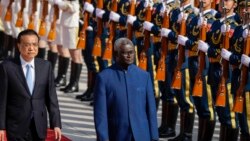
pixel 206 11
pixel 24 63
pixel 229 16
pixel 184 7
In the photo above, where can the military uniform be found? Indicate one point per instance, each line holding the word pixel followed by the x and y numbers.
pixel 70 28
pixel 169 104
pixel 238 45
pixel 63 60
pixel 140 13
pixel 204 105
pixel 183 95
pixel 88 58
pixel 227 118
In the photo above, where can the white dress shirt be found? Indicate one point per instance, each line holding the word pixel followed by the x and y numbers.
pixel 32 69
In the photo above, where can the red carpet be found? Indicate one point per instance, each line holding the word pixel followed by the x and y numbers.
pixel 51 136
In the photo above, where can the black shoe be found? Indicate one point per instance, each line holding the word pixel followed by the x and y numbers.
pixel 89 97
pixel 70 88
pixel 79 96
pixel 60 81
pixel 63 65
pixel 91 103
pixel 85 94
pixel 166 132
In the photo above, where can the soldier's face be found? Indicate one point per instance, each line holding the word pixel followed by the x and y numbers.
pixel 244 10
pixel 207 3
pixel 229 5
pixel 126 55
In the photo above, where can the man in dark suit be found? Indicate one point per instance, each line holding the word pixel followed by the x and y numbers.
pixel 124 103
pixel 27 92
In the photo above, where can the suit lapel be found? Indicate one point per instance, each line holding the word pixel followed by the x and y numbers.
pixel 20 75
pixel 37 72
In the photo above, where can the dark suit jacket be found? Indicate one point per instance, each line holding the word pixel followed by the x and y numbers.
pixel 17 106
pixel 124 105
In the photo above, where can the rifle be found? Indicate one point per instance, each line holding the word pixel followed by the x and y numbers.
pixel 238 104
pixel 198 85
pixel 143 55
pixel 8 14
pixel 109 45
pixel 130 27
pixel 42 29
pixel 19 21
pixel 82 37
pixel 161 70
pixel 213 4
pixel 176 83
pixel 97 49
pixel 222 90
pixel 52 32
pixel 31 24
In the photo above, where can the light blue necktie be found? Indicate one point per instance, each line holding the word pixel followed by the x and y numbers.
pixel 29 78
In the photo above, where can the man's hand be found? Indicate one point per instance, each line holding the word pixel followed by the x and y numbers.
pixel 58 134
pixel 2 135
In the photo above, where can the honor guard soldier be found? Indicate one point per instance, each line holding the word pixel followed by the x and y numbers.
pixel 241 44
pixel 179 21
pixel 169 104
pixel 89 60
pixel 44 26
pixel 154 27
pixel 198 69
pixel 219 81
pixel 53 33
pixel 5 32
pixel 70 28
pixel 137 23
pixel 63 52
pixel 120 17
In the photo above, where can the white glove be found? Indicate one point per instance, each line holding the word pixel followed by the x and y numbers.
pixel 147 25
pixel 182 40
pixel 99 12
pixel 131 19
pixel 166 2
pixel 57 1
pixel 180 16
pixel 202 21
pixel 61 4
pixel 89 28
pixel 165 32
pixel 225 54
pixel 131 1
pixel 163 9
pixel 148 3
pixel 8 27
pixel 114 16
pixel 88 7
pixel 224 28
pixel 245 33
pixel 245 60
pixel 51 1
pixel 202 46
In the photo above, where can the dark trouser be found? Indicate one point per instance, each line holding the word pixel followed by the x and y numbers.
pixel 30 135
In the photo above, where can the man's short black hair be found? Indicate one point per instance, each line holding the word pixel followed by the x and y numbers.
pixel 26 32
